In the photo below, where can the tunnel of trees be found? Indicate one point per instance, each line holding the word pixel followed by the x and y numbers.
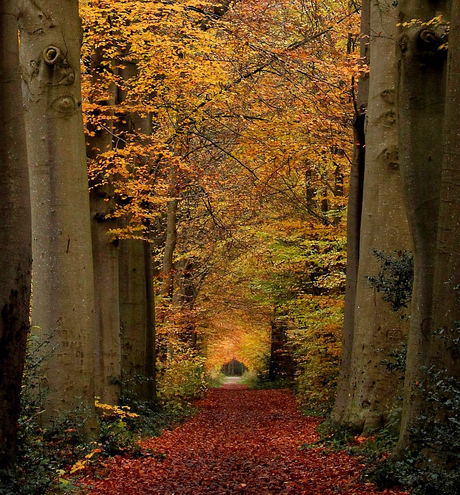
pixel 190 186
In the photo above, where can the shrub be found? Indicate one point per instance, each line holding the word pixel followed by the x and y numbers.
pixel 181 380
pixel 316 341
pixel 215 378
pixel 432 464
pixel 395 278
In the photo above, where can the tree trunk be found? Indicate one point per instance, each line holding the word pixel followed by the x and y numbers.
pixel 446 300
pixel 150 346
pixel 63 298
pixel 105 258
pixel 107 312
pixel 281 364
pixel 421 101
pixel 183 301
pixel 15 235
pixel 377 330
pixel 137 320
pixel 137 304
pixel 355 198
pixel 167 271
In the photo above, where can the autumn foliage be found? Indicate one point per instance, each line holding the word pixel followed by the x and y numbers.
pixel 243 441
pixel 238 113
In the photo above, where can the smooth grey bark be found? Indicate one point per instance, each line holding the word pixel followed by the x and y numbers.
pixel 136 294
pixel 107 312
pixel 377 330
pixel 15 235
pixel 446 292
pixel 150 345
pixel 63 292
pixel 137 319
pixel 354 211
pixel 105 255
pixel 421 105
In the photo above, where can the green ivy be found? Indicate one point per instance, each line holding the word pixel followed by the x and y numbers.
pixel 395 278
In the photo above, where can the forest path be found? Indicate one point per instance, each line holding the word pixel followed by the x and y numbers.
pixel 242 441
pixel 231 380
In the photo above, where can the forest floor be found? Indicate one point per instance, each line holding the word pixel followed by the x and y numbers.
pixel 253 442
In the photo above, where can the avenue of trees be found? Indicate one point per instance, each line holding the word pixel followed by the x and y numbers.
pixel 400 339
pixel 221 142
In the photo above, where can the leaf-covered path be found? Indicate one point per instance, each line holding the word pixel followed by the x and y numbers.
pixel 242 441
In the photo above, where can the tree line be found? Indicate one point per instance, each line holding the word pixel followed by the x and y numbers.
pixel 177 114
pixel 208 129
pixel 400 339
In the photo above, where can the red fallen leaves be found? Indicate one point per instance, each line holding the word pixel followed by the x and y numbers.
pixel 243 441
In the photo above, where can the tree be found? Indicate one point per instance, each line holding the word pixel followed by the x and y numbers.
pixel 206 171
pixel 446 310
pixel 377 330
pixel 421 108
pixel 15 235
pixel 100 129
pixel 63 301
pixel 354 212
pixel 137 320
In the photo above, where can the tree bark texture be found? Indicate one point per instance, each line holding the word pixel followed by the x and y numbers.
pixel 137 319
pixel 446 294
pixel 355 198
pixel 15 234
pixel 105 260
pixel 377 329
pixel 421 104
pixel 106 292
pixel 63 292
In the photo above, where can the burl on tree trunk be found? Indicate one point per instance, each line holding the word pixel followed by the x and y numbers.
pixel 63 298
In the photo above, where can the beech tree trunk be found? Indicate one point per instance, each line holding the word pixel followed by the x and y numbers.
pixel 63 292
pixel 137 319
pixel 281 364
pixel 378 330
pixel 446 294
pixel 107 313
pixel 150 325
pixel 167 271
pixel 15 234
pixel 136 294
pixel 421 98
pixel 105 261
pixel 355 199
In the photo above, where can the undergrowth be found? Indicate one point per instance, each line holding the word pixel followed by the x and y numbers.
pixel 431 465
pixel 260 381
pixel 395 278
pixel 215 379
pixel 50 457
